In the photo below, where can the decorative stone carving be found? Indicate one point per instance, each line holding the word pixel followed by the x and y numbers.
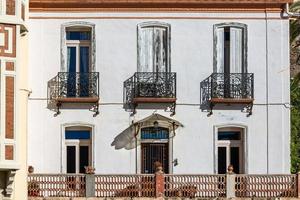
pixel 89 170
pixel 230 169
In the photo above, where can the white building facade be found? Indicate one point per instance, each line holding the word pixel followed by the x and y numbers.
pixel 194 85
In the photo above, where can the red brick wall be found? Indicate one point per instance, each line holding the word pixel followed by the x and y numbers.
pixel 10 7
pixel 10 66
pixel 9 152
pixel 4 49
pixel 9 111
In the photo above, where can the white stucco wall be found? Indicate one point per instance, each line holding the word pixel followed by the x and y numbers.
pixel 268 129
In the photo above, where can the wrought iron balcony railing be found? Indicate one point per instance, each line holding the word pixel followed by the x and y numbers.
pixel 231 87
pixel 74 85
pixel 151 85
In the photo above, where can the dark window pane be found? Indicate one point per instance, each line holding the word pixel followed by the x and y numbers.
pixel 84 59
pixel 229 135
pixel 84 158
pixel 77 135
pixel 227 62
pixel 78 35
pixel 154 133
pixel 227 33
pixel 71 61
pixel 71 159
pixel 234 159
pixel 84 69
pixel 222 160
pixel 71 64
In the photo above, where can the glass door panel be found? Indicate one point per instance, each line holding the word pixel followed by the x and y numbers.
pixel 83 158
pixel 235 159
pixel 84 71
pixel 222 160
pixel 71 159
pixel 71 64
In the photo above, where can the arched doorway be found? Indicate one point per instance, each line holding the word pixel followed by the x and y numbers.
pixel 78 148
pixel 230 150
pixel 154 148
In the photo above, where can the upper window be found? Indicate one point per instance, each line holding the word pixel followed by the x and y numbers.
pixel 78 35
pixel 154 133
pixel 78 42
pixel 229 135
pixel 78 47
pixel 153 47
pixel 230 42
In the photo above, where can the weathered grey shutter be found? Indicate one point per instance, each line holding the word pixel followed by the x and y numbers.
pixel 145 44
pixel 153 49
pixel 236 50
pixel 220 51
pixel 160 50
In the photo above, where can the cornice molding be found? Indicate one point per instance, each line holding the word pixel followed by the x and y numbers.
pixel 154 5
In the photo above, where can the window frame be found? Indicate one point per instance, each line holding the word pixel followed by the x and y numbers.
pixel 139 141
pixel 78 26
pixel 233 143
pixel 244 29
pixel 79 142
pixel 243 129
pixel 77 44
pixel 164 25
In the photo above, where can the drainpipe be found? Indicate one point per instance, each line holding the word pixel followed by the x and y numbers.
pixel 290 14
pixel 267 88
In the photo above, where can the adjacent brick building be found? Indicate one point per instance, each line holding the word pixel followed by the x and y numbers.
pixel 13 98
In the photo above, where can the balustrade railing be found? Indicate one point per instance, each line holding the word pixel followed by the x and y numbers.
pixel 195 186
pixel 56 185
pixel 150 85
pixel 169 185
pixel 266 185
pixel 124 185
pixel 227 86
pixel 74 85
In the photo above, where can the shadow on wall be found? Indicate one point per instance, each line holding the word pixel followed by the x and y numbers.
pixel 126 139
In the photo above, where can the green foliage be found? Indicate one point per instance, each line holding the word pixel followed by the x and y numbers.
pixel 295 95
pixel 294 24
pixel 295 124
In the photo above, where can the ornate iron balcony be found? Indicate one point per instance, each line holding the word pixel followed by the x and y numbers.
pixel 74 87
pixel 150 87
pixel 233 88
